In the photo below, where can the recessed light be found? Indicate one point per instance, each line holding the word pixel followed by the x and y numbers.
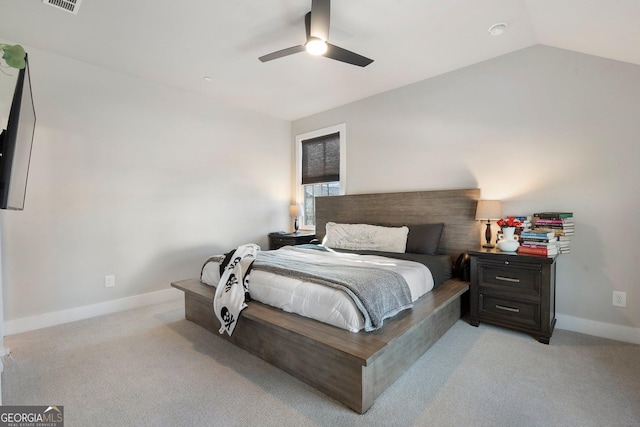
pixel 497 29
pixel 207 79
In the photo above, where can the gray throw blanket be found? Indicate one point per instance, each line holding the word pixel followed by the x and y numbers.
pixel 378 293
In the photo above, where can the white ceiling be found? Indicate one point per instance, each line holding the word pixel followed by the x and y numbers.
pixel 178 43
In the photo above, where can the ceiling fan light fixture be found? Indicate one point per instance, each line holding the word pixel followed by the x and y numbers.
pixel 316 46
pixel 316 25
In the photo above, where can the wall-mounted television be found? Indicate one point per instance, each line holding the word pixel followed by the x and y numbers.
pixel 15 144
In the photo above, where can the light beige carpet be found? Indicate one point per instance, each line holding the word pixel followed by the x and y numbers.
pixel 150 367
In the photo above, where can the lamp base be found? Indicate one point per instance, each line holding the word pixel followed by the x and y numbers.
pixel 487 236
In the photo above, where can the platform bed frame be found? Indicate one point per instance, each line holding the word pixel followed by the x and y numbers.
pixel 355 368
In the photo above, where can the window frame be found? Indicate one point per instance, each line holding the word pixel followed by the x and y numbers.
pixel 342 131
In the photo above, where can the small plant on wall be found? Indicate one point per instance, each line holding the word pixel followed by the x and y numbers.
pixel 13 55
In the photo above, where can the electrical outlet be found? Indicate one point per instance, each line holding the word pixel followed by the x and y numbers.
pixel 619 299
pixel 109 281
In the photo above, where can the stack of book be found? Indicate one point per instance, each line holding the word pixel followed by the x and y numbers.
pixel 525 223
pixel 561 223
pixel 539 241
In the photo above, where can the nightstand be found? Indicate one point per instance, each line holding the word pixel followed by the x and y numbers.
pixel 280 239
pixel 514 291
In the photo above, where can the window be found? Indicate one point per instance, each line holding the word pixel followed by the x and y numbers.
pixel 320 168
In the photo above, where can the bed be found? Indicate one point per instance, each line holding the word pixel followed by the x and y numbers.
pixel 355 368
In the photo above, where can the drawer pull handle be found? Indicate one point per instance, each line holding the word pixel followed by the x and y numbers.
pixel 502 307
pixel 507 279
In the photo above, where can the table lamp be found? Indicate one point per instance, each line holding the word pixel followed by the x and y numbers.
pixel 294 212
pixel 489 210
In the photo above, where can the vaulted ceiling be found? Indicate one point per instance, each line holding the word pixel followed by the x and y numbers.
pixel 179 43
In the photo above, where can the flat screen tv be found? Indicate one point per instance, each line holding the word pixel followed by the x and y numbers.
pixel 15 144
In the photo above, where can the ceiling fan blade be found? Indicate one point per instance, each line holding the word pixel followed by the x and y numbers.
pixel 344 55
pixel 320 17
pixel 307 24
pixel 281 53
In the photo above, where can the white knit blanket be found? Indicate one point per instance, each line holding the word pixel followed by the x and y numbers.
pixel 229 299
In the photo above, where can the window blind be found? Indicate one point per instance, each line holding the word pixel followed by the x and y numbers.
pixel 321 159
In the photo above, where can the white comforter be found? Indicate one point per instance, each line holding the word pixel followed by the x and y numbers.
pixel 319 302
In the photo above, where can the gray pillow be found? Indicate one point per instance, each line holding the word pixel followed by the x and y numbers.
pixel 424 238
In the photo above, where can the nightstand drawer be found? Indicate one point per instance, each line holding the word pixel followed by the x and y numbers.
pixel 278 240
pixel 512 311
pixel 282 241
pixel 510 277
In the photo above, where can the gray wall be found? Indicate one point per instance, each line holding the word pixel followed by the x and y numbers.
pixel 141 181
pixel 136 180
pixel 541 129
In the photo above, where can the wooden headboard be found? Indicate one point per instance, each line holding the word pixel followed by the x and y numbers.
pixel 455 208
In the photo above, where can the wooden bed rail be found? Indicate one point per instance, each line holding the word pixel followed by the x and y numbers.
pixel 353 368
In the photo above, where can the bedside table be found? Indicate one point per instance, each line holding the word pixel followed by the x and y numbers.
pixel 514 291
pixel 280 239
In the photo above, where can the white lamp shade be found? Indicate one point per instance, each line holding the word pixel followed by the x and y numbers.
pixel 294 211
pixel 489 209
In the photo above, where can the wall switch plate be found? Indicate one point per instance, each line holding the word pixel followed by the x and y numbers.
pixel 619 299
pixel 109 281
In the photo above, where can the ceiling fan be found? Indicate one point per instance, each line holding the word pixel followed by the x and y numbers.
pixel 316 24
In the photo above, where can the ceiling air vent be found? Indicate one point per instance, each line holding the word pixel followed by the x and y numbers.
pixel 70 6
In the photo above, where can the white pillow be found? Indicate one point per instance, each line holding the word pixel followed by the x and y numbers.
pixel 366 237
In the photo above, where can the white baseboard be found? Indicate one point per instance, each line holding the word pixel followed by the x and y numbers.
pixel 598 329
pixel 94 310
